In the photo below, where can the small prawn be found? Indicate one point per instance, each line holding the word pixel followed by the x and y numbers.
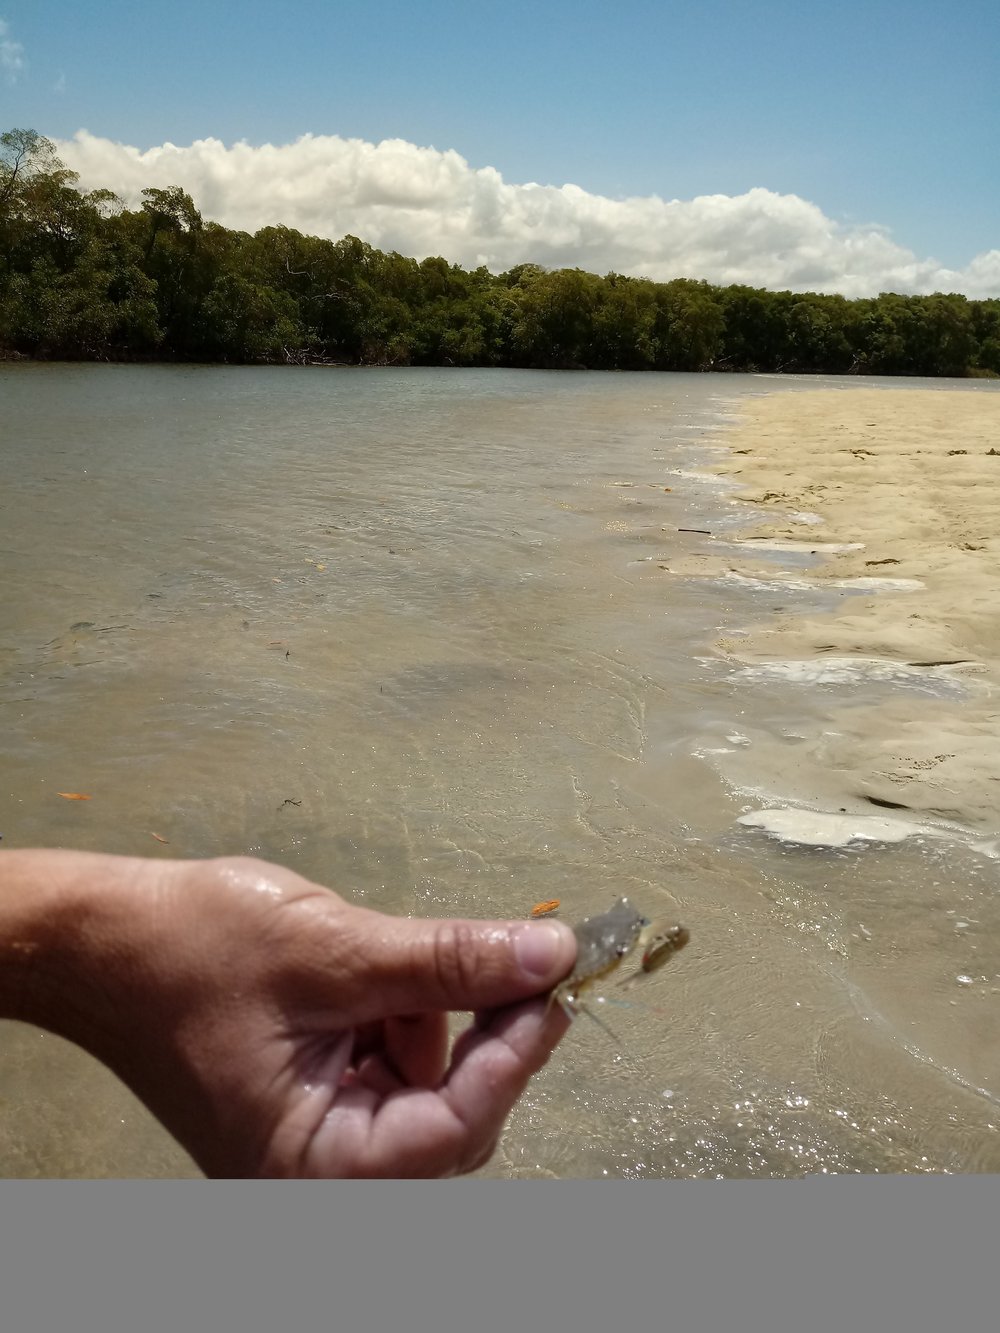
pixel 602 943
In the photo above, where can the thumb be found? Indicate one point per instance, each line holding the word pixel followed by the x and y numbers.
pixel 417 966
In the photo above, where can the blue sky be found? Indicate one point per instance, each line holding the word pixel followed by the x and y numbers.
pixel 879 113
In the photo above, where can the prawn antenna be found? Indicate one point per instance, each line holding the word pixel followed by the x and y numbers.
pixel 600 1023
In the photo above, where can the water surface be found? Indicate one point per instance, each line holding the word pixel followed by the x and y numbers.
pixel 406 632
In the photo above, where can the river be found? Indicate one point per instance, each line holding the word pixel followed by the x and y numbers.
pixel 406 632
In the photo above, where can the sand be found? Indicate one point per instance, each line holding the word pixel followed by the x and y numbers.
pixel 906 483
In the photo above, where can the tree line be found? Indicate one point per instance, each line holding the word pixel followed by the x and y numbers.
pixel 83 277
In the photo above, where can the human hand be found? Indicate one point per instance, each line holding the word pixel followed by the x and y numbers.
pixel 277 1030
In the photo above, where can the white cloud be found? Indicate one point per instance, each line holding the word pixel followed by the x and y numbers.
pixel 11 55
pixel 421 201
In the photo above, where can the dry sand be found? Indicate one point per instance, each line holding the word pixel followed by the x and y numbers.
pixel 907 484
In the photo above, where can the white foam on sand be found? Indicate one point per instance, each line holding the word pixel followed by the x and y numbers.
pixel 778 583
pixel 813 828
pixel 863 584
pixel 803 548
pixel 872 583
pixel 707 478
pixel 844 671
pixel 817 828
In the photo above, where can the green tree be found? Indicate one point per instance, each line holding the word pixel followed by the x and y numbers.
pixel 243 321
pixel 552 323
pixel 984 317
pixel 69 284
pixel 623 324
pixel 690 325
pixel 82 276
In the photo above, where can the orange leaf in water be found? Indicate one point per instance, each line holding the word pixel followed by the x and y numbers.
pixel 158 838
pixel 72 795
pixel 543 909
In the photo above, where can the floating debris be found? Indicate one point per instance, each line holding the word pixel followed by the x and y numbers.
pixel 546 908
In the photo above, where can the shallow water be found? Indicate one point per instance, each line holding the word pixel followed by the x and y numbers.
pixel 406 632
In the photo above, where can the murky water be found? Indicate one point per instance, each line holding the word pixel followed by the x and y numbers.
pixel 406 632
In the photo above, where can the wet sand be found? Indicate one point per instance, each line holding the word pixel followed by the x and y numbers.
pixel 896 493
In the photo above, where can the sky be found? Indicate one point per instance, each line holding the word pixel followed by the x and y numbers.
pixel 848 146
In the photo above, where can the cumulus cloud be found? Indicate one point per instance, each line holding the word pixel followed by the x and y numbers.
pixel 11 55
pixel 421 201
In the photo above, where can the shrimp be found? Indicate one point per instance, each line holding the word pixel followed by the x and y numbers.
pixel 602 942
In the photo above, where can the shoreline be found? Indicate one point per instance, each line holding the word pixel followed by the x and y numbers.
pixel 898 492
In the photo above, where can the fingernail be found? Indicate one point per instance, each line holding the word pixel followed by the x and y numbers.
pixel 540 948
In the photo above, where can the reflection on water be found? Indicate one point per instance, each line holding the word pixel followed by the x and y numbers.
pixel 405 632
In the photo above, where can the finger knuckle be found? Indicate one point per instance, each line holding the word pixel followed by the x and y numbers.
pixel 455 958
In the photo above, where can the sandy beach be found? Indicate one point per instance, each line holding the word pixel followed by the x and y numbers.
pixel 896 493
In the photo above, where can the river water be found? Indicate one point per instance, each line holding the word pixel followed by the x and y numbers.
pixel 406 632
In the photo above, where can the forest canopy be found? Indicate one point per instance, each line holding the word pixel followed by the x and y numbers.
pixel 83 277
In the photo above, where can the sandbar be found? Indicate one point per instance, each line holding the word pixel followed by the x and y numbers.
pixel 906 482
